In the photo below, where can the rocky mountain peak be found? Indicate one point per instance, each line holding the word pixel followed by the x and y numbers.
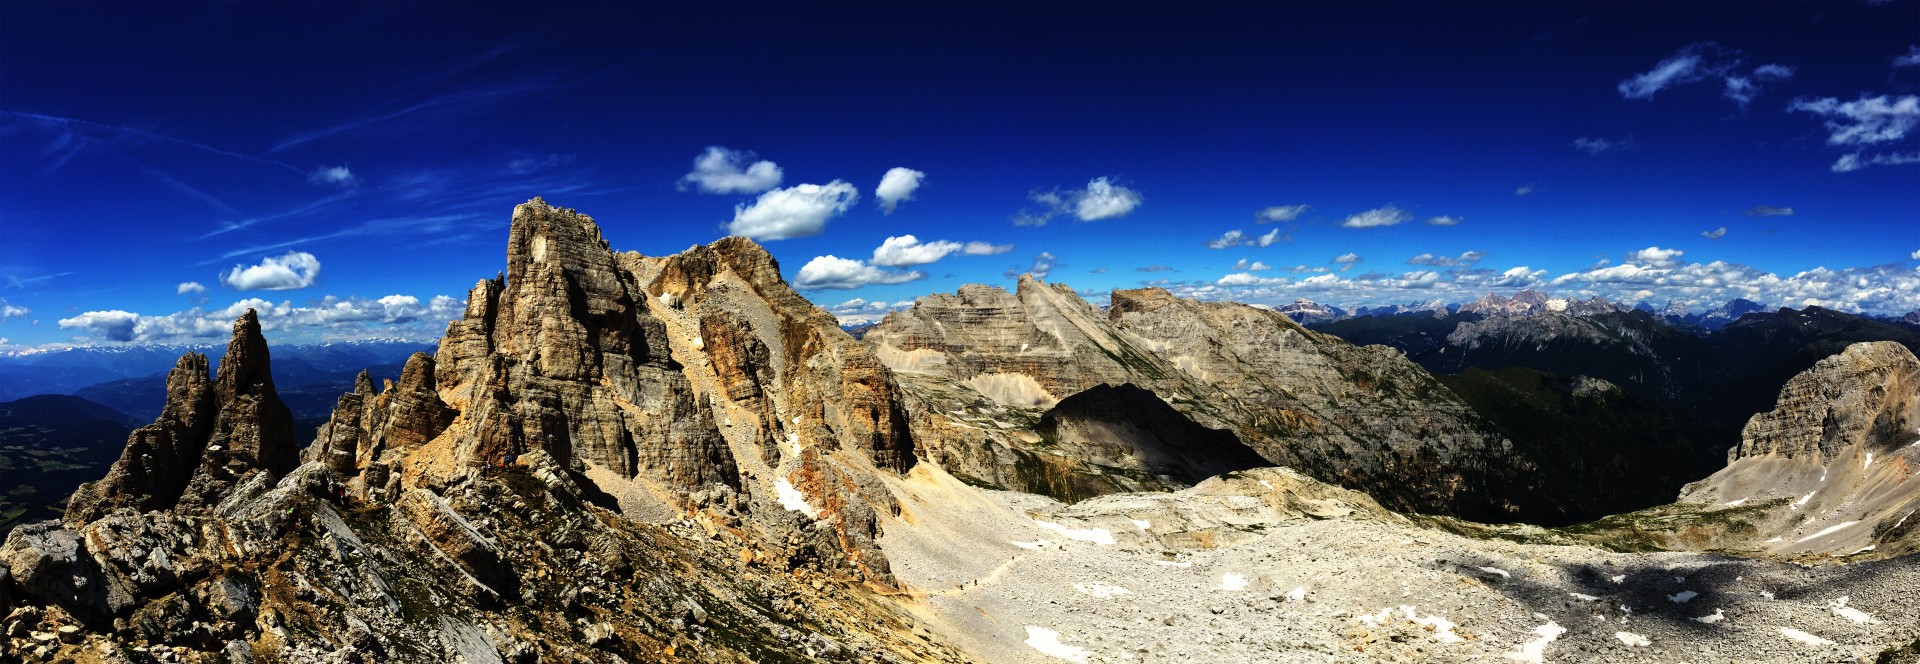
pixel 1867 395
pixel 1138 299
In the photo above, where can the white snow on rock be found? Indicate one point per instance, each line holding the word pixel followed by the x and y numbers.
pixel 1495 570
pixel 1859 551
pixel 1868 462
pixel 1683 596
pixel 1632 639
pixel 1095 535
pixel 1173 563
pixel 1841 609
pixel 1585 597
pixel 1266 484
pixel 792 499
pixel 1828 531
pixel 793 445
pixel 1717 616
pixel 1618 578
pixel 1735 503
pixel 1101 590
pixel 1534 652
pixel 1441 627
pixel 1033 545
pixel 1297 594
pixel 1048 642
pixel 1804 637
pixel 1803 499
pixel 1142 524
pixel 1231 581
pixel 1767 594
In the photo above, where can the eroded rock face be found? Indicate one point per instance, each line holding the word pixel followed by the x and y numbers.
pixel 1138 441
pixel 210 435
pixel 374 430
pixel 1863 396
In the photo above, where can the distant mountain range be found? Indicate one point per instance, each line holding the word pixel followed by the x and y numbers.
pixel 1534 303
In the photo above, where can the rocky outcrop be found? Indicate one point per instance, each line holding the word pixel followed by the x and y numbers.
pixel 373 431
pixel 1830 470
pixel 210 436
pixel 1136 441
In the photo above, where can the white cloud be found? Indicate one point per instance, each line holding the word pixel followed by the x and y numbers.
pixel 8 310
pixel 1043 264
pixel 906 250
pixel 1769 211
pixel 797 211
pixel 1280 213
pixel 338 176
pixel 1523 190
pixel 1656 257
pixel 1270 237
pixel 1247 279
pixel 831 272
pixel 1704 61
pixel 1229 240
pixel 186 287
pixel 1848 163
pixel 1255 266
pixel 1911 59
pixel 1599 145
pixel 1519 277
pixel 1896 158
pixel 1714 234
pixel 1102 199
pixel 1383 216
pixel 985 249
pixel 1864 121
pixel 1914 256
pixel 897 185
pixel 114 325
pixel 294 270
pixel 1445 220
pixel 723 171
pixel 858 311
pixel 1466 259
pixel 1347 260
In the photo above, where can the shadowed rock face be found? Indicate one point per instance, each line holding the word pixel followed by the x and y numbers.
pixel 1126 430
pixel 211 435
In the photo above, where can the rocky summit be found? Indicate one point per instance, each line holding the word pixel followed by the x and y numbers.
pixel 614 457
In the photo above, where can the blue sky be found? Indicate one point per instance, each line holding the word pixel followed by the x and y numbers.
pixel 351 169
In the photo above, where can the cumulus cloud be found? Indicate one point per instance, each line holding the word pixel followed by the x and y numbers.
pixel 858 311
pixel 1270 237
pixel 1381 216
pixel 1769 211
pixel 835 273
pixel 1914 256
pixel 8 310
pixel 1043 264
pixel 1465 259
pixel 1714 234
pixel 1279 213
pixel 1656 257
pixel 797 211
pixel 1523 190
pixel 1863 121
pixel 1255 266
pixel 1229 240
pixel 113 325
pixel 985 249
pixel 338 176
pixel 1704 61
pixel 906 250
pixel 186 287
pixel 723 171
pixel 1445 220
pixel 1347 260
pixel 1599 145
pixel 291 271
pixel 1101 199
pixel 1519 277
pixel 897 185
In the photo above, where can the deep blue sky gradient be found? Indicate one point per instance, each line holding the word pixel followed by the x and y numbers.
pixel 146 145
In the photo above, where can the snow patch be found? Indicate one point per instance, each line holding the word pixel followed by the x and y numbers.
pixel 1859 551
pixel 1618 578
pixel 1869 461
pixel 1804 637
pixel 1173 563
pixel 1534 652
pixel 1632 639
pixel 1803 499
pixel 1734 503
pixel 1441 627
pixel 1266 484
pixel 699 343
pixel 1142 524
pixel 1841 609
pixel 1718 615
pixel 1095 535
pixel 792 499
pixel 1048 643
pixel 1585 597
pixel 1767 594
pixel 1231 581
pixel 1101 590
pixel 1297 594
pixel 1495 570
pixel 793 445
pixel 1683 596
pixel 1828 531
